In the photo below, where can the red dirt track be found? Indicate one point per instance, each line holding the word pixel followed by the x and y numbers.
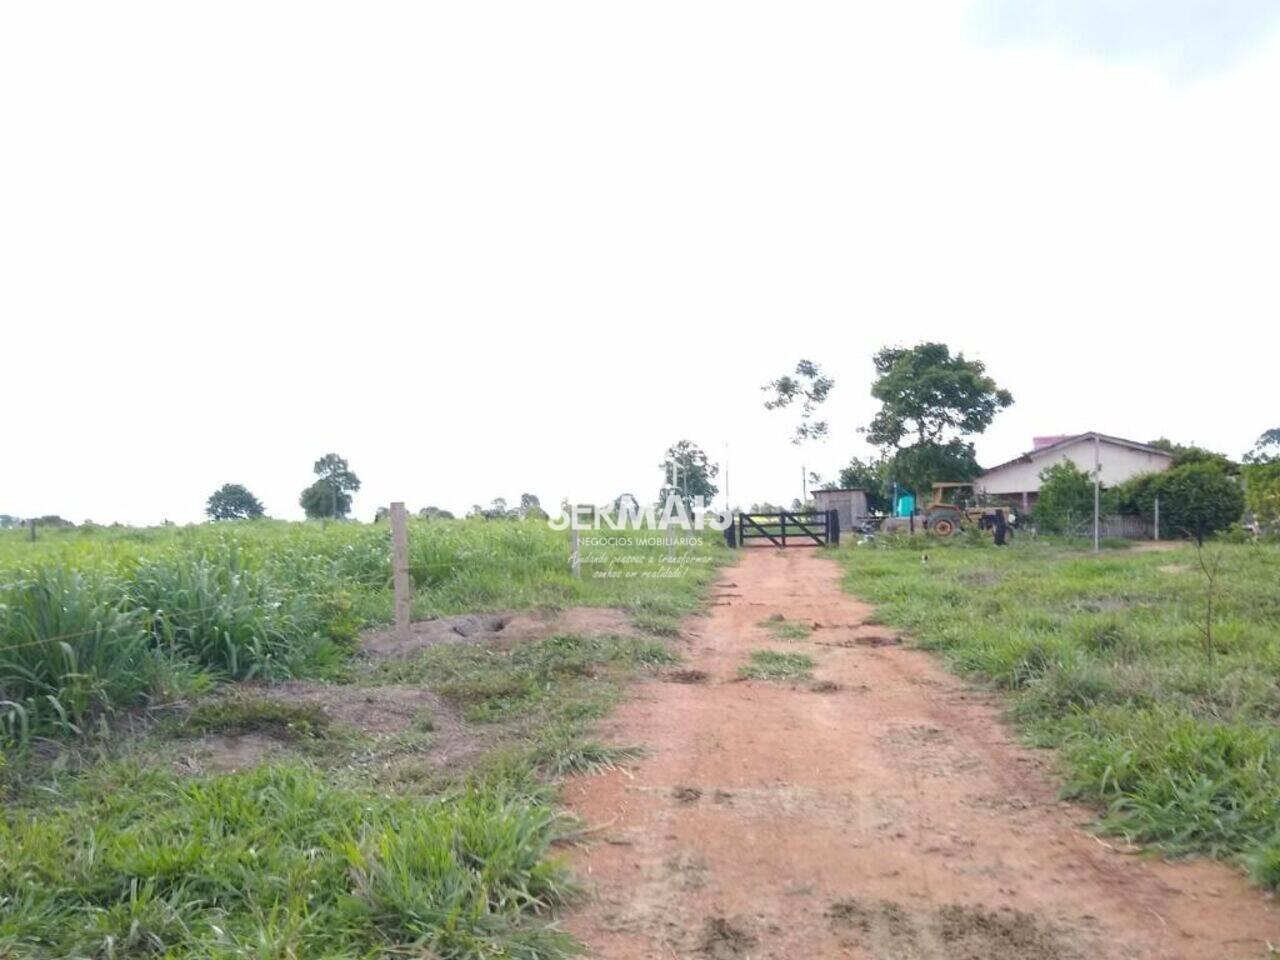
pixel 891 818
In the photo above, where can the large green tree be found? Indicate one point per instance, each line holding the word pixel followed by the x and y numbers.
pixel 693 474
pixel 330 495
pixel 233 501
pixel 930 402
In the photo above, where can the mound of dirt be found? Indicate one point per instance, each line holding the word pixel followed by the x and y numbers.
pixel 373 711
pixel 503 628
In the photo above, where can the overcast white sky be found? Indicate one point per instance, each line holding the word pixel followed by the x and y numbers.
pixel 487 248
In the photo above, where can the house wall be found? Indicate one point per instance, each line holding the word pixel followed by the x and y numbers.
pixel 1119 464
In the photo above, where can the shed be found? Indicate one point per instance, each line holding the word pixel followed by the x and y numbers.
pixel 850 504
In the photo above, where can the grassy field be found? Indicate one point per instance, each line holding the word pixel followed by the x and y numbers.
pixel 1165 712
pixel 119 649
pixel 99 619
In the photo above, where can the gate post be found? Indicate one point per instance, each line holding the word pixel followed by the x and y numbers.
pixel 784 528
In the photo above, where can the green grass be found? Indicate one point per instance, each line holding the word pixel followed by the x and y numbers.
pixel 784 629
pixel 1104 657
pixel 347 848
pixel 560 676
pixel 289 860
pixel 773 665
pixel 100 619
pixel 276 862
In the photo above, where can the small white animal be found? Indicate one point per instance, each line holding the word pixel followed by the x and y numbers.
pixel 924 558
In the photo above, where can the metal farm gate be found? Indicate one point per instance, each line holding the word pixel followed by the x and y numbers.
pixel 801 528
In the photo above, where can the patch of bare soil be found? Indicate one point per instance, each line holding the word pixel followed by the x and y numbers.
pixel 724 939
pixel 901 793
pixel 885 930
pixel 373 711
pixel 225 753
pixel 502 628
pixel 686 676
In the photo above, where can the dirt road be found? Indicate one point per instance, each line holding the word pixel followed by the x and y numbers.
pixel 890 817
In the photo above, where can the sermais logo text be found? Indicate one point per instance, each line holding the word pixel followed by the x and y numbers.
pixel 675 514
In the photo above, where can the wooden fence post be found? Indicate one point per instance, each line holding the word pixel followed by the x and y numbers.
pixel 1157 520
pixel 32 523
pixel 400 569
pixel 575 553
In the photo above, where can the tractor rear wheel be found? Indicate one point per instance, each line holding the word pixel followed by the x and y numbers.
pixel 944 522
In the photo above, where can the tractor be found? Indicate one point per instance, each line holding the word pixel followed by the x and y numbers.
pixel 954 505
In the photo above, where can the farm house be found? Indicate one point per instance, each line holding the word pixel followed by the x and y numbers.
pixel 1017 481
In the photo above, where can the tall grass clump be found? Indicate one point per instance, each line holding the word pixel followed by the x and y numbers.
pixel 70 647
pixel 224 616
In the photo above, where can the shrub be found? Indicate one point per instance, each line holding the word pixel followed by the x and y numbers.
pixel 1066 498
pixel 1262 492
pixel 1197 499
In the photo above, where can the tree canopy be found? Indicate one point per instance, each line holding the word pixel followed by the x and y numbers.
pixel 233 501
pixel 1266 449
pixel 330 495
pixel 811 388
pixel 1190 453
pixel 925 392
pixel 930 401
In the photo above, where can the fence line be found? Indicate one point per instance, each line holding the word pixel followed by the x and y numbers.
pixel 1116 527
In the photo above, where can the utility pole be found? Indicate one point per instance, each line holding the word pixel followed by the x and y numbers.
pixel 1097 480
pixel 804 486
pixel 728 504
